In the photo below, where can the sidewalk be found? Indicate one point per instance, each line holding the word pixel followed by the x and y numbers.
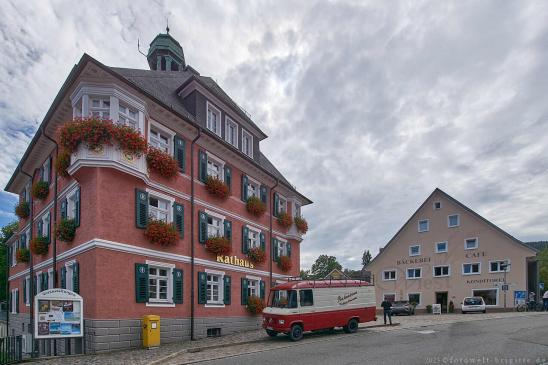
pixel 166 352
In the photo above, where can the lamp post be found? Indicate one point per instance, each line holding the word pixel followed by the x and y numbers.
pixel 504 266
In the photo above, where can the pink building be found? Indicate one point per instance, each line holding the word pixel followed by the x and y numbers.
pixel 113 196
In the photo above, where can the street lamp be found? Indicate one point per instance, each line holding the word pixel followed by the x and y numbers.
pixel 504 266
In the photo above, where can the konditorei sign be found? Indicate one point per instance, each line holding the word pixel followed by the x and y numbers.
pixel 58 313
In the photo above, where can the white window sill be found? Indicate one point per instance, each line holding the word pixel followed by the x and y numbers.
pixel 441 251
pixel 388 279
pixel 413 278
pixel 441 276
pixel 473 248
pixel 452 226
pixel 159 304
pixel 473 273
pixel 215 305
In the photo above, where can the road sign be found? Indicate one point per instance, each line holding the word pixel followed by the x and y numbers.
pixel 541 285
pixel 505 287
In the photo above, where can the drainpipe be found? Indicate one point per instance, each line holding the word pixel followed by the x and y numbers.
pixel 54 210
pixel 271 232
pixel 192 305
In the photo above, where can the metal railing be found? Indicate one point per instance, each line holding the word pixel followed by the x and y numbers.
pixel 11 350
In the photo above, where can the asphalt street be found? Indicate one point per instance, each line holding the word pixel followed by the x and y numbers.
pixel 522 340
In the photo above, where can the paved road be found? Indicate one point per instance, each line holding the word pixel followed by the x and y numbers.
pixel 519 340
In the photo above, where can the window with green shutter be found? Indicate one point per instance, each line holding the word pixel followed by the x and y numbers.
pixel 202 226
pixel 178 286
pixel 228 229
pixel 64 209
pixel 141 283
pixel 63 277
pixel 245 182
pixel 227 287
pixel 25 290
pixel 275 256
pixel 245 239
pixel 244 290
pixel 264 193
pixel 179 218
pixel 276 206
pixel 262 241
pixel 17 301
pixel 141 208
pixel 202 166
pixel 262 289
pixel 77 202
pixel 202 288
pixel 228 177
pixel 180 152
pixel 76 277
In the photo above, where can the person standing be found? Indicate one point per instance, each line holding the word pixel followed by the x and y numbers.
pixel 387 310
pixel 545 300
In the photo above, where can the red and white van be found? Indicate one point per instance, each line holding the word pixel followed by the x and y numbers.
pixel 309 305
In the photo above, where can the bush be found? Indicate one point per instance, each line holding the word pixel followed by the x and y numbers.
pixel 39 245
pixel 23 255
pixel 161 233
pixel 429 308
pixel 285 220
pixel 62 163
pixel 66 230
pixel 301 224
pixel 22 210
pixel 218 245
pixel 217 188
pixel 162 162
pixel 255 206
pixel 256 255
pixel 255 305
pixel 40 190
pixel 284 263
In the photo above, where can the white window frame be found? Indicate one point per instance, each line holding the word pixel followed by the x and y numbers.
pixel 121 115
pixel 414 277
pixel 46 220
pixel 247 134
pixel 487 305
pixel 446 247
pixel 258 240
pixel 160 129
pixel 216 110
pixel 282 247
pixel 220 302
pixel 27 290
pixel 216 160
pixel 46 168
pixel 280 198
pixel 297 212
pixel 14 300
pixel 38 276
pixel 229 121
pixel 14 253
pixel 216 216
pixel 388 271
pixel 427 225
pixel 420 298
pixel 471 238
pixel 449 220
pixel 410 250
pixel 252 182
pixel 441 276
pixel 157 195
pixel 100 109
pixel 471 273
pixel 385 294
pixel 437 202
pixel 50 278
pixel 69 275
pixel 162 302
pixel 500 262
pixel 255 288
pixel 71 203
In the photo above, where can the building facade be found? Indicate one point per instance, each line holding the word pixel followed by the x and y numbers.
pixel 446 252
pixel 112 197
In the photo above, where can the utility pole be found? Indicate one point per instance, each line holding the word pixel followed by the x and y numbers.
pixel 505 266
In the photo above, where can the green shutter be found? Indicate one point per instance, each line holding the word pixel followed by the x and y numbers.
pixel 244 187
pixel 180 152
pixel 262 289
pixel 141 208
pixel 24 240
pixel 43 281
pixel 178 286
pixel 276 205
pixel 202 226
pixel 76 277
pixel 50 170
pixel 179 218
pixel 228 177
pixel 202 166
pixel 245 239
pixel 17 301
pixel 35 285
pixel 25 290
pixel 262 241
pixel 288 244
pixel 141 283
pixel 77 208
pixel 244 291
pixel 227 289
pixel 64 277
pixel 228 229
pixel 275 249
pixel 64 209
pixel 263 193
pixel 39 226
pixel 48 228
pixel 202 288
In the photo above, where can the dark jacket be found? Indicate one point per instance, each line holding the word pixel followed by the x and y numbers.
pixel 386 305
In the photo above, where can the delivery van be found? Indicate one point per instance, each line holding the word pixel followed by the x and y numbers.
pixel 309 305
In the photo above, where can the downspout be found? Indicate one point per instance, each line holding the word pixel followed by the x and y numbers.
pixel 271 231
pixel 192 279
pixel 54 210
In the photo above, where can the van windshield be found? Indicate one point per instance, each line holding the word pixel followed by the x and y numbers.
pixel 283 299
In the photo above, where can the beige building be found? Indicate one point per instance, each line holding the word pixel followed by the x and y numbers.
pixel 446 252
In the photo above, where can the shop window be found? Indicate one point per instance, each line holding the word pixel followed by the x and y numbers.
pixel 490 296
pixel 414 298
pixel 389 297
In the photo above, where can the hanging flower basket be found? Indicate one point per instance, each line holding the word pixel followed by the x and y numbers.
pixel 161 233
pixel 162 162
pixel 23 255
pixel 40 190
pixel 301 224
pixel 255 206
pixel 66 230
pixel 256 255
pixel 22 210
pixel 217 188
pixel 255 305
pixel 39 245
pixel 285 220
pixel 284 263
pixel 62 164
pixel 218 245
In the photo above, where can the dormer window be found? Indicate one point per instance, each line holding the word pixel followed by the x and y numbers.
pixel 247 143
pixel 213 119
pixel 128 116
pixel 100 108
pixel 231 132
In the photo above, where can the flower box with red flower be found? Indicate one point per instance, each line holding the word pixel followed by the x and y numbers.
pixel 217 187
pixel 301 224
pixel 162 163
pixel 66 230
pixel 40 190
pixel 256 255
pixel 161 233
pixel 62 163
pixel 255 305
pixel 218 245
pixel 39 245
pixel 284 263
pixel 285 220
pixel 23 255
pixel 22 210
pixel 255 206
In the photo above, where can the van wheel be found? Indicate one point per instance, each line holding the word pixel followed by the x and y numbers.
pixel 296 332
pixel 271 333
pixel 352 326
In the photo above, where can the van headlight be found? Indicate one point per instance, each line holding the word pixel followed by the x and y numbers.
pixel 281 321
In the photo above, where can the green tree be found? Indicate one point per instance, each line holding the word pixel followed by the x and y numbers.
pixel 5 234
pixel 305 274
pixel 323 266
pixel 366 258
pixel 542 258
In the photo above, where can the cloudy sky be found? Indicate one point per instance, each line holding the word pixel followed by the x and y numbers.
pixel 381 101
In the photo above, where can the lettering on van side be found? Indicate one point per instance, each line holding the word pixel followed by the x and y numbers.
pixel 347 298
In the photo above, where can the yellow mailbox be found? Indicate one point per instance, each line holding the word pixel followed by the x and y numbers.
pixel 151 331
